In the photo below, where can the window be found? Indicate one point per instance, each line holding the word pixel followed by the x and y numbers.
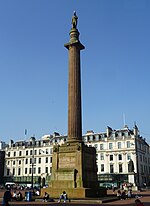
pixel 85 139
pixel 26 152
pixel 19 171
pixel 141 158
pixel 8 171
pixel 19 162
pixel 31 152
pixel 30 160
pixel 14 162
pixel 20 153
pixel 14 154
pixel 35 152
pixel 50 169
pixel 30 170
pixel 46 169
pixel 102 156
pixel 101 146
pixel 50 159
pixel 39 170
pixel 119 145
pixel 13 171
pixel 128 156
pixel 119 157
pixel 111 157
pixel 26 170
pixel 128 144
pixel 46 151
pixel 141 168
pixel 8 163
pixel 103 136
pixel 91 138
pixel 34 161
pixel 120 167
pixel 111 168
pixel 110 145
pixel 126 134
pixel 102 167
pixel 97 137
pixel 51 150
pixel 96 146
pixel 46 160
pixel 113 134
pixel 26 162
pixel 39 160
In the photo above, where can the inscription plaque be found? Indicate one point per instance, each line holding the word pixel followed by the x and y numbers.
pixel 67 162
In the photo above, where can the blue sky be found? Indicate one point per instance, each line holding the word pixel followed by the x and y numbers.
pixel 115 65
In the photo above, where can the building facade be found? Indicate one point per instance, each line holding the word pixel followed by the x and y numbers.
pixel 24 159
pixel 122 156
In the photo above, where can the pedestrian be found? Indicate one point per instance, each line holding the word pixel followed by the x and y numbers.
pixel 14 195
pixel 123 195
pixel 63 196
pixel 113 188
pixel 138 202
pixel 129 194
pixel 144 184
pixel 7 197
pixel 119 194
pixel 19 196
pixel 37 193
pixel 45 197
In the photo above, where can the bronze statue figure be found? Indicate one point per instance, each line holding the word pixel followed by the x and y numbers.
pixel 74 20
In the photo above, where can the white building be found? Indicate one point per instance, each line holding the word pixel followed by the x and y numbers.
pixel 23 157
pixel 115 150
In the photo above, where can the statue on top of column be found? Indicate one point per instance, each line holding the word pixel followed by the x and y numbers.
pixel 74 20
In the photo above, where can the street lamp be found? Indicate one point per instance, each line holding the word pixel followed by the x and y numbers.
pixel 32 162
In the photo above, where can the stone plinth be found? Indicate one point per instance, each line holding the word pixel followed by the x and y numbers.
pixel 74 166
pixel 74 170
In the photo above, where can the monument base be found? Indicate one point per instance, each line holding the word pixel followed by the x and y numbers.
pixel 75 192
pixel 74 171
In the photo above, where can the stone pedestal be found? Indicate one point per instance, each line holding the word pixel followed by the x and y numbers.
pixel 74 170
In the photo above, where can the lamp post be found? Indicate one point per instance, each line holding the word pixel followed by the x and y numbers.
pixel 32 162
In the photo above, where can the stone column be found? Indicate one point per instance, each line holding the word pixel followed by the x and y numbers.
pixel 74 88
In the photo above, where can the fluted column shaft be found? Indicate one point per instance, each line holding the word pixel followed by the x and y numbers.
pixel 74 95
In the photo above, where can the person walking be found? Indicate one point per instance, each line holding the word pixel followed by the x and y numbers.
pixel 7 197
